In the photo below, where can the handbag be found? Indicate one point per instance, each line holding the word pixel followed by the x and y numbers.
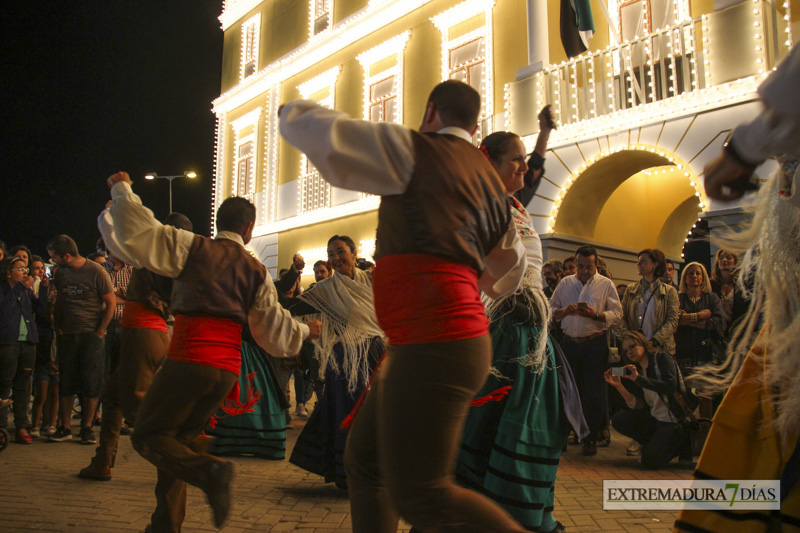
pixel 682 407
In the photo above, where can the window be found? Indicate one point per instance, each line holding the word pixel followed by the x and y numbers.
pixel 466 63
pixel 320 16
pixel 467 52
pixel 383 80
pixel 315 192
pixel 250 42
pixel 245 168
pixel 636 18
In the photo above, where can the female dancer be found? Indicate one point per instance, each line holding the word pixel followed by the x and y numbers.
pixel 348 349
pixel 510 449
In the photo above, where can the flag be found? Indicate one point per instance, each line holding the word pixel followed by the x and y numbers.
pixel 577 26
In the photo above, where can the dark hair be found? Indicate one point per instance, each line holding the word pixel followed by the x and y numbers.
pixel 323 263
pixel 556 265
pixel 587 251
pixel 35 258
pixel 235 213
pixel 24 248
pixel 5 267
pixel 94 255
pixel 281 272
pixel 657 257
pixel 344 238
pixel 458 104
pixel 497 143
pixel 568 259
pixel 622 285
pixel 62 245
pixel 178 220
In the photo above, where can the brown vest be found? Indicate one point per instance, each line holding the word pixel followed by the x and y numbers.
pixel 455 206
pixel 220 279
pixel 150 289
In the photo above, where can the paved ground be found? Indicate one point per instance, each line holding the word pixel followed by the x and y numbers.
pixel 40 492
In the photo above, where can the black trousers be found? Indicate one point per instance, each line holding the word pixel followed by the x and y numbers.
pixel 588 361
pixel 661 441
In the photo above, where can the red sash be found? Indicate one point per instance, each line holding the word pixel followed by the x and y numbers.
pixel 422 299
pixel 207 340
pixel 142 316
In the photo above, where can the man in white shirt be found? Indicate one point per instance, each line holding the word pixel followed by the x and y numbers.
pixel 587 304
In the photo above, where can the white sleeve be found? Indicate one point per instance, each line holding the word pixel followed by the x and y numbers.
pixel 272 326
pixel 106 226
pixel 505 265
pixel 613 310
pixel 555 299
pixel 148 243
pixel 372 157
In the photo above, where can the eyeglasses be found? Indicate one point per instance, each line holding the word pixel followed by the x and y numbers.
pixel 23 270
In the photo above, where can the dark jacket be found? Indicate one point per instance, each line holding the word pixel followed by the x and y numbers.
pixel 18 302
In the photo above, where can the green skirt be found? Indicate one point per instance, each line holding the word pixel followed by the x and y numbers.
pixel 510 449
pixel 261 432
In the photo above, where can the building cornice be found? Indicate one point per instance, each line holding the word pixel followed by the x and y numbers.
pixel 236 10
pixel 377 14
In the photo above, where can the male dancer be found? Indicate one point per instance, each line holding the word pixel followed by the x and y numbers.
pixel 444 233
pixel 218 287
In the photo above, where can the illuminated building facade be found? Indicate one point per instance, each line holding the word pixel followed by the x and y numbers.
pixel 640 113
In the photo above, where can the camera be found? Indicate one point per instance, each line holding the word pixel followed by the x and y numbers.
pixel 619 371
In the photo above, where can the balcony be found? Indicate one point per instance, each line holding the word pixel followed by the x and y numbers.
pixel 654 73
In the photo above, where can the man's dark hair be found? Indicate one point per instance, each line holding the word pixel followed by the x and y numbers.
pixel 235 213
pixel 624 286
pixel 568 259
pixel 321 262
pixel 344 238
pixel 556 266
pixel 62 245
pixel 657 257
pixel 94 255
pixel 458 104
pixel 178 220
pixel 281 272
pixel 586 251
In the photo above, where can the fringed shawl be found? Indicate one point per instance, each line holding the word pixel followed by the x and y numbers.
pixel 347 313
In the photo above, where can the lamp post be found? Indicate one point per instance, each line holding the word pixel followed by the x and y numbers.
pixel 187 174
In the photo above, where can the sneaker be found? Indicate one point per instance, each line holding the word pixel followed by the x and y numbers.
pixel 96 471
pixel 87 436
pixel 634 448
pixel 301 410
pixel 34 432
pixel 61 434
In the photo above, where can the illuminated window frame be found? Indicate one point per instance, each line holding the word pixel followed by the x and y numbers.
pixel 248 120
pixel 251 39
pixel 317 9
pixel 680 7
pixel 313 191
pixel 464 11
pixel 394 46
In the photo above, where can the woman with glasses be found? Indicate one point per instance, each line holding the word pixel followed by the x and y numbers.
pixel 648 387
pixel 18 339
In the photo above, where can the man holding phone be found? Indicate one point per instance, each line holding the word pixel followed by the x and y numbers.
pixel 586 304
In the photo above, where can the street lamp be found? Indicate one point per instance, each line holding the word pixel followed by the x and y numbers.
pixel 188 174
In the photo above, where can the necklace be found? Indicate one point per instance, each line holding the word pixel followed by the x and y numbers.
pixel 695 299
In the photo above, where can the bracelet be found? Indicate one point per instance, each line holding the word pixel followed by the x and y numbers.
pixel 694 317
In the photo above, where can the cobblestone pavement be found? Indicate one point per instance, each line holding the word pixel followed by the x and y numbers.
pixel 41 492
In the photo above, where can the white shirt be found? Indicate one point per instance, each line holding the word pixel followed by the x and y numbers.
pixel 599 293
pixel 164 250
pixel 378 158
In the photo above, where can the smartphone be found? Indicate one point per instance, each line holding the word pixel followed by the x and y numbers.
pixel 619 371
pixel 48 272
pixel 583 304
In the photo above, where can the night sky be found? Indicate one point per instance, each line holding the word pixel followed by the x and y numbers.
pixel 90 88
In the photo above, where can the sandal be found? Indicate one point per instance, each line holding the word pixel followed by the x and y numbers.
pixel 605 440
pixel 22 437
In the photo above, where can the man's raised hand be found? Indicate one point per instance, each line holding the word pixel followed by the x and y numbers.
pixel 117 178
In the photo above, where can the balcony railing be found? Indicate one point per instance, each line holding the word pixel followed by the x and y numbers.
pixel 686 57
